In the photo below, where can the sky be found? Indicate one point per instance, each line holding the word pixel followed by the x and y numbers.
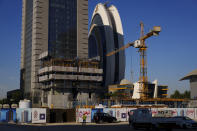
pixel 170 56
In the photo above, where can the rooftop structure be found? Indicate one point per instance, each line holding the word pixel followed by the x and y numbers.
pixel 192 77
pixel 154 90
pixel 132 90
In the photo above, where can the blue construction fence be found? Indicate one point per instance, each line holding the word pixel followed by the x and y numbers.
pixel 23 115
pixel 7 115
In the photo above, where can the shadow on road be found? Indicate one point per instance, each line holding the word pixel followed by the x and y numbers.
pixel 10 127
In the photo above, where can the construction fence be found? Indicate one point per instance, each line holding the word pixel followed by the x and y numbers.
pixel 121 114
pixel 37 115
pixel 45 115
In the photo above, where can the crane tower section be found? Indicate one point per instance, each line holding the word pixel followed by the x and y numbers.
pixel 143 79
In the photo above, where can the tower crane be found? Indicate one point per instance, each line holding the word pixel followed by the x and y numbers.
pixel 142 48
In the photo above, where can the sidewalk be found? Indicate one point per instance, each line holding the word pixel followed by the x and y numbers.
pixel 73 124
pixel 69 124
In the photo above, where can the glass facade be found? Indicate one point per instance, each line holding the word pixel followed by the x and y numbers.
pixel 99 37
pixel 28 46
pixel 116 45
pixel 97 47
pixel 162 91
pixel 92 48
pixel 63 29
pixel 151 89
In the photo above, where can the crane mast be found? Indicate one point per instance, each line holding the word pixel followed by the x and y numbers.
pixel 143 79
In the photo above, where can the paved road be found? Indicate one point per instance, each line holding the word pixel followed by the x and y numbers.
pixel 93 127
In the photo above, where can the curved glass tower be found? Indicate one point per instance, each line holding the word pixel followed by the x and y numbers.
pixel 106 35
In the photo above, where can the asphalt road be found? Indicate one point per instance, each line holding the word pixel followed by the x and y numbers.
pixel 95 127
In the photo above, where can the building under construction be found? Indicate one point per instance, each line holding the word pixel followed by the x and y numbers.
pixel 58 30
pixel 64 82
pixel 132 90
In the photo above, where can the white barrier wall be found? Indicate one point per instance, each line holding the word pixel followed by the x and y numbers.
pixel 80 112
pixel 121 114
pixel 154 111
pixel 31 115
pixel 181 111
pixel 196 113
pixel 174 111
pixel 23 115
pixel 164 112
pixel 38 115
pixel 190 112
pixel 171 112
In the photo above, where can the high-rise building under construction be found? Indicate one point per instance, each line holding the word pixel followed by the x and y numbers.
pixel 55 68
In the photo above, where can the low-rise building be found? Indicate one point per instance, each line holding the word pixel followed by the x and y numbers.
pixel 154 90
pixel 132 90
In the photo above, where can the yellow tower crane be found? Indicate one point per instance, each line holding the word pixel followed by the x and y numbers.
pixel 140 44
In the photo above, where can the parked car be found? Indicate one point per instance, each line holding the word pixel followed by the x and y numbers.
pixel 103 117
pixel 185 122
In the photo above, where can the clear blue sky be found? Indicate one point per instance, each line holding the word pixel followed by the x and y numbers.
pixel 170 56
